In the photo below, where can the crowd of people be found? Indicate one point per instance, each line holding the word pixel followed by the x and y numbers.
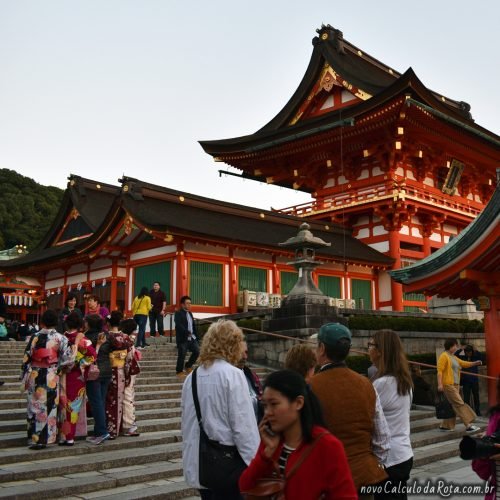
pixel 94 360
pixel 316 429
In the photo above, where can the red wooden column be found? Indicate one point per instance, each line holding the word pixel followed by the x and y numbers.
pixel 394 252
pixel 492 339
pixel 181 274
pixel 233 285
pixel 114 287
pixel 128 284
pixel 276 277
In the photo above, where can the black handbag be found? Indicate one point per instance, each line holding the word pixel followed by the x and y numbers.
pixel 443 408
pixel 220 466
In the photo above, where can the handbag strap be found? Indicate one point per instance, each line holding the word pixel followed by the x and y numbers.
pixel 305 454
pixel 194 387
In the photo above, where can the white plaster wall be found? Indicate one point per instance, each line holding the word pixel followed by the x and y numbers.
pixel 409 175
pixel 330 183
pixel 385 308
pixel 363 233
pixel 381 246
pixel 404 230
pixel 415 231
pixel 54 273
pixel 54 283
pixel 342 180
pixel 100 263
pixel 377 171
pixel 384 286
pixel 100 274
pixel 77 268
pixel 378 230
pixel 121 272
pixel 429 182
pixel 77 278
pixel 364 174
pixel 400 171
pixel 450 229
pixel 435 237
pixel 153 252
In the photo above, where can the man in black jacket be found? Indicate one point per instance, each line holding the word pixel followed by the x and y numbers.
pixel 185 337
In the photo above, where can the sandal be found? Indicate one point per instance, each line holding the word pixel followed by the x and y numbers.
pixel 132 433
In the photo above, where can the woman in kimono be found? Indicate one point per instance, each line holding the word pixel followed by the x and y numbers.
pixel 47 353
pixel 72 397
pixel 120 344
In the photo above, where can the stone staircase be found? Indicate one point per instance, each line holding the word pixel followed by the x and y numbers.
pixel 148 466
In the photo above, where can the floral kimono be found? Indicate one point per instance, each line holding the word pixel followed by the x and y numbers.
pixel 72 397
pixel 46 354
pixel 120 345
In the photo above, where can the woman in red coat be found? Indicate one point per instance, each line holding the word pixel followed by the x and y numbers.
pixel 290 435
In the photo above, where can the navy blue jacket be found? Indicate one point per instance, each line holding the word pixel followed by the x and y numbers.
pixel 181 326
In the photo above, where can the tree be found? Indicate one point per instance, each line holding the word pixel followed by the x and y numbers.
pixel 27 209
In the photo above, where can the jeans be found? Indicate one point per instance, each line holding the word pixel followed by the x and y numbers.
pixel 155 322
pixel 96 394
pixel 141 320
pixel 182 349
pixel 474 389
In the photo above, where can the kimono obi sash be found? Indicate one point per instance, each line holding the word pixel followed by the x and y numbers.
pixel 43 357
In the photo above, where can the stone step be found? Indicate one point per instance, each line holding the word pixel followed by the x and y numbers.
pixel 101 460
pixel 142 412
pixel 20 453
pixel 146 425
pixel 117 482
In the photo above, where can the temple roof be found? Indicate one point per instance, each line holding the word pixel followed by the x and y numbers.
pixel 165 211
pixel 467 266
pixel 374 82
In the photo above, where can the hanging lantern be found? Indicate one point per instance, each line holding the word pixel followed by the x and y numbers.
pixel 9 300
pixel 59 291
pixel 30 301
pixel 79 286
pixel 104 282
pixel 93 284
pixel 69 288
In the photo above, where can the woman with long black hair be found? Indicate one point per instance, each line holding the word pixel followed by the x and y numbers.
pixel 296 446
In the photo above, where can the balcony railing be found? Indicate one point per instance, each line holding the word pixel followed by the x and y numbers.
pixel 371 194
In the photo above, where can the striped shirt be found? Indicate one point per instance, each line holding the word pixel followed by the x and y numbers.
pixel 285 453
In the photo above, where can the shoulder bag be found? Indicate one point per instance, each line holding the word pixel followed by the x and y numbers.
pixel 273 488
pixel 444 409
pixel 220 466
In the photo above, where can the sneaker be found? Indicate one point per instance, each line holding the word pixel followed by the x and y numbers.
pixel 98 439
pixel 472 428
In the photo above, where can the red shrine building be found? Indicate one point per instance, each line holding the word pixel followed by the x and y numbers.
pixel 403 167
pixel 468 267
pixel 394 169
pixel 111 241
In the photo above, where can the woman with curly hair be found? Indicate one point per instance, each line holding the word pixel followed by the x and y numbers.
pixel 225 407
pixel 301 358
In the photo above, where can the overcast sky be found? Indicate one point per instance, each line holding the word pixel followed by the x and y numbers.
pixel 102 88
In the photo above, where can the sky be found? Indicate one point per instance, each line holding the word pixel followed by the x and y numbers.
pixel 102 88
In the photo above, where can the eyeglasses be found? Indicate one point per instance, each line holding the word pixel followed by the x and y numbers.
pixel 372 344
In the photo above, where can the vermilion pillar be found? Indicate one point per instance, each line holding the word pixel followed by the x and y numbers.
pixel 492 339
pixel 396 288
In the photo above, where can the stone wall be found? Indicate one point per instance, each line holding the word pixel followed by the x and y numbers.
pixel 269 351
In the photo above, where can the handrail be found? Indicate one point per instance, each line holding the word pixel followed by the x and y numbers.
pixel 364 353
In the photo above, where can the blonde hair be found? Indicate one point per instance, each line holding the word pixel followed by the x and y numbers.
pixel 222 341
pixel 300 358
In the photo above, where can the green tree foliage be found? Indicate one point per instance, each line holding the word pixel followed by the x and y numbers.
pixel 27 209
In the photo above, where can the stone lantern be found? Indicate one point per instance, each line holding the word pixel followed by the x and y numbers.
pixel 305 245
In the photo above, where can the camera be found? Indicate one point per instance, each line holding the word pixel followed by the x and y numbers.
pixel 484 447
